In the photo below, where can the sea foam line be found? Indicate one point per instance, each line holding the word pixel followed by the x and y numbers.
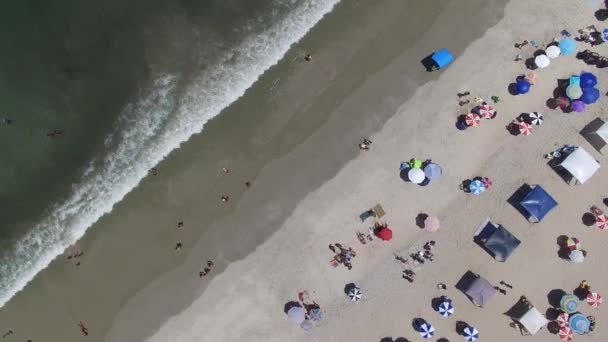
pixel 158 123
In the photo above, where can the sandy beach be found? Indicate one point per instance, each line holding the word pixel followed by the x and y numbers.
pixel 310 182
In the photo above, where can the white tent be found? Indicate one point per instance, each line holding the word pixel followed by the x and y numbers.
pixel 581 165
pixel 533 321
pixel 596 134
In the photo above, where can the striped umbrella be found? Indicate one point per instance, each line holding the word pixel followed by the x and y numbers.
pixel 446 309
pixel 562 319
pixel 569 303
pixel 525 128
pixel 535 118
pixel 487 183
pixel 355 294
pixel 476 187
pixel 574 92
pixel 594 299
pixel 573 243
pixel 601 221
pixel 426 330
pixel 472 119
pixel 486 111
pixel 565 334
pixel 470 334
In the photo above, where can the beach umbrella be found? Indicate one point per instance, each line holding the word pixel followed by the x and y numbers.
pixel 569 303
pixel 470 334
pixel 486 111
pixel 535 118
pixel 563 102
pixel 573 243
pixel 552 51
pixel 577 256
pixel 472 119
pixel 578 106
pixel 567 46
pixel 432 171
pixel 296 315
pixel 590 95
pixel 562 319
pixel 385 234
pixel 416 176
pixel 355 294
pixel 594 299
pixel 605 34
pixel 487 183
pixel 431 224
pixel 522 86
pixel 524 128
pixel 565 333
pixel 579 323
pixel 415 163
pixel 476 187
pixel 574 92
pixel 446 309
pixel 316 314
pixel 542 61
pixel 426 330
pixel 587 80
pixel 601 221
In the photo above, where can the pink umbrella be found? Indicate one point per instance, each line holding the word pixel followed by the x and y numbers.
pixel 487 183
pixel 562 319
pixel 601 221
pixel 472 119
pixel 565 334
pixel 486 111
pixel 594 299
pixel 431 224
pixel 525 128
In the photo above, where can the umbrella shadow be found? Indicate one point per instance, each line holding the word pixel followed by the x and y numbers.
pixel 291 304
pixel 552 314
pixel 553 327
pixel 460 123
pixel 555 296
pixel 387 339
pixel 563 253
pixel 401 339
pixel 461 326
pixel 512 89
pixel 601 14
pixel 403 175
pixel 443 339
pixel 349 287
pixel 552 103
pixel 435 302
pixel 428 63
pixel 466 185
pixel 417 322
pixel 588 219
pixel 562 241
pixel 530 64
pixel 420 218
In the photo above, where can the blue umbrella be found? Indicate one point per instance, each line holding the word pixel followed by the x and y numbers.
pixel 476 187
pixel 471 334
pixel 569 303
pixel 522 86
pixel 426 330
pixel 587 80
pixel 590 95
pixel 567 46
pixel 605 34
pixel 579 323
pixel 446 309
pixel 432 171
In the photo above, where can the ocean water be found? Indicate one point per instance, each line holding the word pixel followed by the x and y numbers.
pixel 127 81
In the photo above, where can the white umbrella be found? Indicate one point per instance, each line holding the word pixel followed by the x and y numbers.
pixel 297 315
pixel 552 51
pixel 415 176
pixel 355 294
pixel 542 61
pixel 577 256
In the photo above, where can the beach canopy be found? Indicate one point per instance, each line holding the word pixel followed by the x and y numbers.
pixel 385 234
pixel 522 86
pixel 538 203
pixel 579 323
pixel 569 303
pixel 355 294
pixel 574 92
pixel 596 133
pixel 565 333
pixel 533 320
pixel 480 291
pixel 587 80
pixel 552 51
pixel 578 106
pixel 432 171
pixel 431 224
pixel 296 315
pixel 496 240
pixel 426 330
pixel 542 61
pixel 567 46
pixel 594 299
pixel 415 176
pixel 470 334
pixel 590 95
pixel 580 165
pixel 446 309
pixel 442 58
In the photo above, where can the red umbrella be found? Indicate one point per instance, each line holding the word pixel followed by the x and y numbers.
pixel 472 119
pixel 525 128
pixel 385 234
pixel 601 221
pixel 565 334
pixel 486 111
pixel 486 182
pixel 563 102
pixel 594 299
pixel 573 243
pixel 562 319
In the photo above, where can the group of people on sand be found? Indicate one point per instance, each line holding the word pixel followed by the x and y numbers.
pixel 418 258
pixel 344 255
pixel 207 269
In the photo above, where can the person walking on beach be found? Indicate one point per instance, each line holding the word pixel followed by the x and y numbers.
pixel 178 246
pixel 83 329
pixel 224 198
pixel 180 224
pixel 308 57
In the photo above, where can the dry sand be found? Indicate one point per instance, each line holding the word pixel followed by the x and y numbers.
pixel 132 281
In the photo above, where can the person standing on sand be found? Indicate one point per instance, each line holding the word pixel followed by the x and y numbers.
pixel 83 329
pixel 178 246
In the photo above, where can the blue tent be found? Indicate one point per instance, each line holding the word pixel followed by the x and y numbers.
pixel 567 46
pixel 442 58
pixel 538 203
pixel 587 80
pixel 590 95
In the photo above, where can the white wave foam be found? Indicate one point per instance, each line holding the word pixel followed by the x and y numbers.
pixel 149 130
